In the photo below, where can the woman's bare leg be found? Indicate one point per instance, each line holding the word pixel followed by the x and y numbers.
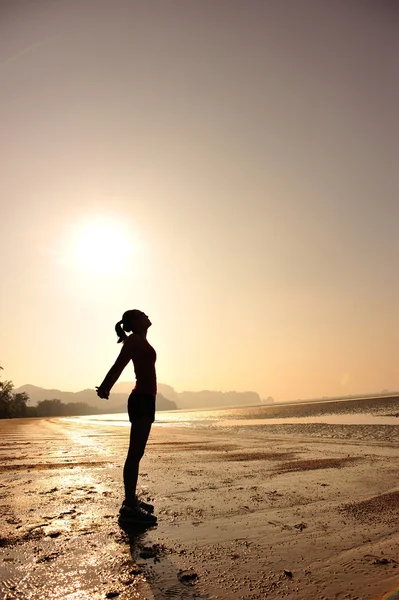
pixel 139 432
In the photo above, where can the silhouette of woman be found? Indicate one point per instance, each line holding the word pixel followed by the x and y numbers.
pixel 141 407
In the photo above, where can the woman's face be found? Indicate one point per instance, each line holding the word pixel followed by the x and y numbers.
pixel 142 322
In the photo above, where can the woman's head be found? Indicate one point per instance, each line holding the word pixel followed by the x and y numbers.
pixel 134 321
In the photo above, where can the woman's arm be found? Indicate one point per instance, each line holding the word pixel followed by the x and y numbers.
pixel 125 355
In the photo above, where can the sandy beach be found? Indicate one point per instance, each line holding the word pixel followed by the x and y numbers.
pixel 243 513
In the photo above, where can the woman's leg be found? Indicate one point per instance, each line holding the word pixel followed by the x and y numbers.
pixel 139 432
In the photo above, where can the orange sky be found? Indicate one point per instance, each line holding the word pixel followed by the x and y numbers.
pixel 229 168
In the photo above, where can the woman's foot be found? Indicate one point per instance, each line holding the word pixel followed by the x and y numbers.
pixel 145 505
pixel 136 515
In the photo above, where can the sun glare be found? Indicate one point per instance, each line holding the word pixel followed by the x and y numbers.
pixel 102 247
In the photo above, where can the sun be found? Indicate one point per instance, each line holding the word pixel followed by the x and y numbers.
pixel 102 246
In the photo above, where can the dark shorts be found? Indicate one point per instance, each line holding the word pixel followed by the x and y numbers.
pixel 141 405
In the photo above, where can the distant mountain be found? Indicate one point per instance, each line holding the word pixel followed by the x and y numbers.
pixel 116 402
pixel 203 399
pixel 167 398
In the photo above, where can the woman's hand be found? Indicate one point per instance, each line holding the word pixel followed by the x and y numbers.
pixel 102 393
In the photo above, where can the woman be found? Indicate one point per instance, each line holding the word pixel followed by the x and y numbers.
pixel 141 407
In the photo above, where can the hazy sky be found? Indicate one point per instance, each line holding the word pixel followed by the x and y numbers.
pixel 229 167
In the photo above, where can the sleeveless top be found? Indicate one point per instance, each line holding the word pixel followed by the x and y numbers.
pixel 144 358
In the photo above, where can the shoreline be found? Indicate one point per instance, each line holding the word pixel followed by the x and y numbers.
pixel 252 514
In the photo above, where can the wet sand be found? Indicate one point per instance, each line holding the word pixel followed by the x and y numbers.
pixel 245 513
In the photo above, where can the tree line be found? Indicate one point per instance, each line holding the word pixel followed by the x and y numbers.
pixel 14 405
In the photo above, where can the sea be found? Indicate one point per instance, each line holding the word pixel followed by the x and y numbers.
pixel 374 418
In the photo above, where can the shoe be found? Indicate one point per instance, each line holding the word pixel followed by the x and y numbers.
pixel 135 515
pixel 145 506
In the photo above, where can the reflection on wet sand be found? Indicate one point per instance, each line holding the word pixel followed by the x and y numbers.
pixel 60 537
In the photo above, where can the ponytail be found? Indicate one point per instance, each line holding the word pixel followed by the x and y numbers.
pixel 120 333
pixel 126 325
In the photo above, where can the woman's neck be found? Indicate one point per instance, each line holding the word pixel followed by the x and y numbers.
pixel 142 335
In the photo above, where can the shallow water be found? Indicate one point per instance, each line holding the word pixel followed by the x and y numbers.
pixel 354 419
pixel 337 413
